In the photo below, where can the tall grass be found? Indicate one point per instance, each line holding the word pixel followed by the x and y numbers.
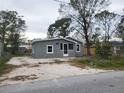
pixel 115 62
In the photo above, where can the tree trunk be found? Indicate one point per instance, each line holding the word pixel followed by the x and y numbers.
pixel 87 44
pixel 87 41
pixel 88 48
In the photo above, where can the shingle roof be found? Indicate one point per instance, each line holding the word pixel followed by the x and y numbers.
pixel 70 38
pixel 117 43
pixel 42 40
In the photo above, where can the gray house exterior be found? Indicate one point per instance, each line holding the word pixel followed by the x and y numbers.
pixel 117 47
pixel 57 48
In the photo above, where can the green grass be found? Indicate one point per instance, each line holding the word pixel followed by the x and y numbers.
pixel 115 63
pixel 4 68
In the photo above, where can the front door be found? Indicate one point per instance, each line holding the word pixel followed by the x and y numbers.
pixel 65 52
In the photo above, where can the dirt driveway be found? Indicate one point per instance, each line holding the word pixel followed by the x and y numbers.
pixel 29 69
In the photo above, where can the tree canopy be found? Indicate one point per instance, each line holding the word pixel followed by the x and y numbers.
pixel 120 29
pixel 11 26
pixel 60 28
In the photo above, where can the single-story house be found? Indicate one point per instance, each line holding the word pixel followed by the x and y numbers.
pixel 25 47
pixel 57 48
pixel 117 47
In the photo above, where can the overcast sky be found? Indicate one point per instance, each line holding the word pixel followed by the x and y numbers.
pixel 39 14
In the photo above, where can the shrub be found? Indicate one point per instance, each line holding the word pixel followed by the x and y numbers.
pixel 103 50
pixel 3 66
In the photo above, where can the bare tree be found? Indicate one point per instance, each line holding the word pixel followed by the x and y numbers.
pixel 107 21
pixel 120 29
pixel 82 12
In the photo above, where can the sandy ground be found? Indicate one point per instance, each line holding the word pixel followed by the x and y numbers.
pixel 41 69
pixel 30 60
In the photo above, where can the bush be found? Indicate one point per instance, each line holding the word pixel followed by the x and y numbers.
pixel 3 66
pixel 103 50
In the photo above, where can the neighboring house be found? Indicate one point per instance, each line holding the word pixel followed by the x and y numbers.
pixel 25 47
pixel 117 47
pixel 57 48
pixel 22 47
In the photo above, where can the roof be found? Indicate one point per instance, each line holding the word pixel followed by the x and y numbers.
pixel 117 43
pixel 70 38
pixel 51 39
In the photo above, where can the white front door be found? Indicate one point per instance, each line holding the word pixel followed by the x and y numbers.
pixel 65 50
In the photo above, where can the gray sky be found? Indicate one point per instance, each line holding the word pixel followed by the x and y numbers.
pixel 39 14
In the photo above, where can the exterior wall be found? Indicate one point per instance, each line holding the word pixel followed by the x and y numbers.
pixel 77 54
pixel 80 53
pixel 117 48
pixel 39 49
pixel 119 51
pixel 22 50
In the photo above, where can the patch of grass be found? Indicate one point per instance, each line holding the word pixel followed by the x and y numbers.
pixel 24 77
pixel 79 63
pixel 113 63
pixel 116 63
pixel 18 54
pixel 5 68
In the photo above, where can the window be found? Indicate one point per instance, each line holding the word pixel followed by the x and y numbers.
pixel 78 48
pixel 61 46
pixel 49 49
pixel 70 46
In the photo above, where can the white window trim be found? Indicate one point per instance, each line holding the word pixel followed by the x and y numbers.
pixel 77 47
pixel 47 49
